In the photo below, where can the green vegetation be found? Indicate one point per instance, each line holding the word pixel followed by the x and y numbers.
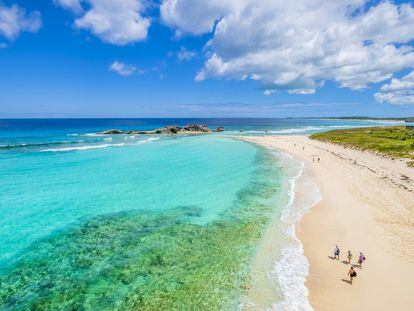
pixel 409 119
pixel 395 142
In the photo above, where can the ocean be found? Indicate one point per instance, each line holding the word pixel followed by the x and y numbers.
pixel 149 222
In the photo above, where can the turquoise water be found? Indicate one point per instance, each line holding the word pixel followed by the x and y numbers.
pixel 163 224
pixel 43 192
pixel 90 222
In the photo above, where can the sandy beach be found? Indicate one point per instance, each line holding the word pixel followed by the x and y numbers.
pixel 367 205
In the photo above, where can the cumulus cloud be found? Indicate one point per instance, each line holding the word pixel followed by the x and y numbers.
pixel 195 16
pixel 122 69
pixel 14 20
pixel 117 22
pixel 296 46
pixel 398 91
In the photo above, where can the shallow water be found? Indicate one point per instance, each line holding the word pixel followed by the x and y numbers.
pixel 168 224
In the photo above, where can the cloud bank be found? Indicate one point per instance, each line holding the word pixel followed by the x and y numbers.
pixel 298 45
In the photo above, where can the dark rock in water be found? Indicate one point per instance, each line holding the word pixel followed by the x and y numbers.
pixel 220 129
pixel 139 132
pixel 197 128
pixel 241 131
pixel 171 129
pixel 113 131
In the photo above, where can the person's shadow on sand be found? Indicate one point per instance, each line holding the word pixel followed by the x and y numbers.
pixel 347 281
pixel 345 262
pixel 331 257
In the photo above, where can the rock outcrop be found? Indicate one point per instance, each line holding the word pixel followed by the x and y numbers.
pixel 168 130
pixel 197 128
pixel 113 131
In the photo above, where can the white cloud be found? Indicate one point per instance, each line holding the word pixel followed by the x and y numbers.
pixel 298 45
pixel 268 92
pixel 117 22
pixel 122 68
pixel 73 5
pixel 14 20
pixel 398 91
pixel 185 55
pixel 195 16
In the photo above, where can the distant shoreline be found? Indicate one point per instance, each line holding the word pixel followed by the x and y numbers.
pixel 410 119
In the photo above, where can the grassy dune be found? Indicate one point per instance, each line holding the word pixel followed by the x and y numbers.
pixel 395 142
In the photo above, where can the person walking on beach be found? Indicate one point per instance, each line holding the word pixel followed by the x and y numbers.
pixel 336 252
pixel 349 256
pixel 352 273
pixel 361 259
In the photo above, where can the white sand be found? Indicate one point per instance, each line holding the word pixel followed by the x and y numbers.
pixel 367 205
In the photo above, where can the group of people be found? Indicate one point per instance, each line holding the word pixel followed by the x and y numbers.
pixel 352 273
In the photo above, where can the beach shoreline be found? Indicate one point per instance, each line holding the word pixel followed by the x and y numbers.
pixel 367 205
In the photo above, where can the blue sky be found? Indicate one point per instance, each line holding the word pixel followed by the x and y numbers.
pixel 205 63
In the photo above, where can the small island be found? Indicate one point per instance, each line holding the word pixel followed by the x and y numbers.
pixel 169 130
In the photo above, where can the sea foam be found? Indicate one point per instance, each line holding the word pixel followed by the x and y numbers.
pixel 101 146
pixel 291 268
pixel 87 147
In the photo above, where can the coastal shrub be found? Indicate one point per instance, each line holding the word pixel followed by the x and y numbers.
pixel 395 142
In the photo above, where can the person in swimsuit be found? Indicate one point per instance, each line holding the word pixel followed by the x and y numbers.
pixel 361 259
pixel 336 252
pixel 351 274
pixel 349 256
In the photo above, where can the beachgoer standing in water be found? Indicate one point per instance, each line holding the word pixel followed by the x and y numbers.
pixel 349 256
pixel 352 273
pixel 361 259
pixel 336 252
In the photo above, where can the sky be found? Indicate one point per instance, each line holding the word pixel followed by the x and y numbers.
pixel 210 58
